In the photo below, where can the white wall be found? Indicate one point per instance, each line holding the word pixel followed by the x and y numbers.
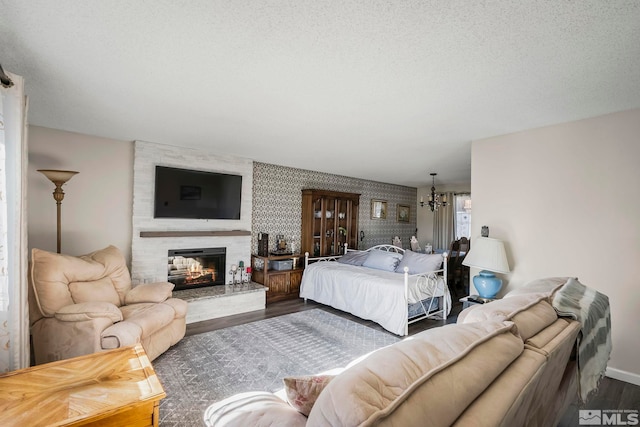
pixel 566 201
pixel 97 206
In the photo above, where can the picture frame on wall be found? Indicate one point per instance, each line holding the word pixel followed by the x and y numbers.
pixel 403 213
pixel 378 209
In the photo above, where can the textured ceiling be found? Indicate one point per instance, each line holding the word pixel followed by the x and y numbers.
pixel 382 90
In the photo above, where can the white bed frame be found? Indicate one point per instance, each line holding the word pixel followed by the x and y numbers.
pixel 408 278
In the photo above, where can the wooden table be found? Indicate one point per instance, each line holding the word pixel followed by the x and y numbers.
pixel 112 388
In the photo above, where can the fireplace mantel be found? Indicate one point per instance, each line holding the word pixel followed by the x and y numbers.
pixel 195 233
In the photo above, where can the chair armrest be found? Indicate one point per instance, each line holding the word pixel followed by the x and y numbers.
pixel 88 311
pixel 258 409
pixel 149 292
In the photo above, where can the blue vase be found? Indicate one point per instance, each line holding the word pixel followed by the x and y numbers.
pixel 487 284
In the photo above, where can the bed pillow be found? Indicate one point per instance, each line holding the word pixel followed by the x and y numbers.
pixel 382 260
pixel 354 257
pixel 419 263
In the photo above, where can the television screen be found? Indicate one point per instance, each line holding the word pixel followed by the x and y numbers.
pixel 183 193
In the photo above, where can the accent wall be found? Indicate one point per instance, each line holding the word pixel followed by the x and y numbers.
pixel 277 204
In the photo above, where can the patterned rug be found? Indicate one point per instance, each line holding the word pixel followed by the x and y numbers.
pixel 204 368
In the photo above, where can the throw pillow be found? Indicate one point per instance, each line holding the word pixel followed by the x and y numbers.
pixel 419 263
pixel 354 258
pixel 382 260
pixel 149 292
pixel 95 290
pixel 303 391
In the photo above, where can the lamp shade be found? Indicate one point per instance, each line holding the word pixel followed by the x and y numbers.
pixel 57 176
pixel 487 254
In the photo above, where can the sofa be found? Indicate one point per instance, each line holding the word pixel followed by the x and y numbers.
pixel 509 362
pixel 86 304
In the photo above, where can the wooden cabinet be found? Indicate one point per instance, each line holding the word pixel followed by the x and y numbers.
pixel 329 220
pixel 282 284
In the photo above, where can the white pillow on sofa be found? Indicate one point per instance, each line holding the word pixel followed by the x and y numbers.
pixel 419 263
pixel 382 260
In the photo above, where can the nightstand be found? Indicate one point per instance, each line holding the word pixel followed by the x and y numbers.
pixel 473 300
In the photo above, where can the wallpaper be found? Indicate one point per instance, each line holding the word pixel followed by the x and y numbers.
pixel 277 204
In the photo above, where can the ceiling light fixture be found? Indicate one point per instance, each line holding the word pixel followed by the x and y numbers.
pixel 435 200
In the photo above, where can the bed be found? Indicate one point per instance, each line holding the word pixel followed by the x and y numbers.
pixel 369 285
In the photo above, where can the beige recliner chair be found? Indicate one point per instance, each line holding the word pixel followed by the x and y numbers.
pixel 82 305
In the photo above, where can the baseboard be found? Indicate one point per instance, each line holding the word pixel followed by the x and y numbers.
pixel 625 376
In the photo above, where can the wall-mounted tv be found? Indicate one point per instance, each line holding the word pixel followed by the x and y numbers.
pixel 184 193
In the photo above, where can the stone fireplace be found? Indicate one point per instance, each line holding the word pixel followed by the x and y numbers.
pixel 153 238
pixel 196 268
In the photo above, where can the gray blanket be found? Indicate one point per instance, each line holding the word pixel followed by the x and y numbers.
pixel 591 309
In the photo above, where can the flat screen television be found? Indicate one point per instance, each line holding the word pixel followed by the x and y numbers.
pixel 184 193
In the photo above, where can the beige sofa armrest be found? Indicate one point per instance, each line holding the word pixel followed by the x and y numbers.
pixel 88 311
pixel 149 292
pixel 258 409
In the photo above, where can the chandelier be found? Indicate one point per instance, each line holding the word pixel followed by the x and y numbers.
pixel 435 200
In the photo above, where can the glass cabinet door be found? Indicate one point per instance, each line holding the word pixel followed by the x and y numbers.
pixel 329 226
pixel 329 221
pixel 343 225
pixel 318 213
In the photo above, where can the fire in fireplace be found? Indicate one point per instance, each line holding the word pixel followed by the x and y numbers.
pixel 196 268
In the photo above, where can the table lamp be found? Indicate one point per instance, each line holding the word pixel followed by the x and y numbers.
pixel 489 256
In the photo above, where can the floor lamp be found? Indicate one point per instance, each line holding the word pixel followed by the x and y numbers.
pixel 58 177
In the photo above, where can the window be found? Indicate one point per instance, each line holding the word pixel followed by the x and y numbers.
pixel 463 215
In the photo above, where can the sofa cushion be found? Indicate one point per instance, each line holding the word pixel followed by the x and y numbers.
pixel 88 311
pixel 530 312
pixel 179 305
pixel 419 263
pixel 433 375
pixel 556 344
pixel 96 290
pixel 505 401
pixel 547 286
pixel 149 316
pixel 51 274
pixel 302 392
pixel 149 292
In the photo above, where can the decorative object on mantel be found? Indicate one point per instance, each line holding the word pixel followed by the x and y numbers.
pixel 233 272
pixel 435 200
pixel 488 255
pixel 59 178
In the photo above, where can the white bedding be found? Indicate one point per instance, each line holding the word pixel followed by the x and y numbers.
pixel 369 293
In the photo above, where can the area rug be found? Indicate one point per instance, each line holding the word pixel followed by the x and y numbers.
pixel 205 368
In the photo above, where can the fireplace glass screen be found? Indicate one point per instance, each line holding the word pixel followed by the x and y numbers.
pixel 196 268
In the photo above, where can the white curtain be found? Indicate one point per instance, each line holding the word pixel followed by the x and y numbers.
pixel 444 228
pixel 14 313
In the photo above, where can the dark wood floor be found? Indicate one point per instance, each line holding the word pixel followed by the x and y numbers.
pixel 611 395
pixel 281 308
